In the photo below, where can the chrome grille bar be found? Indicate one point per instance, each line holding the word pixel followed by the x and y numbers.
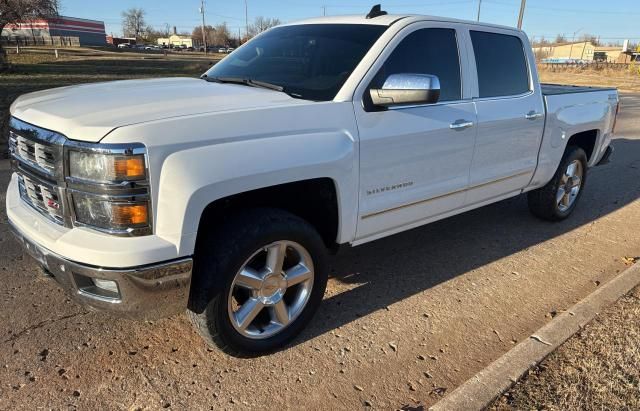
pixel 38 160
pixel 39 150
pixel 43 197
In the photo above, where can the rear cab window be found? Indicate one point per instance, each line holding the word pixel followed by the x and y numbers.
pixel 501 64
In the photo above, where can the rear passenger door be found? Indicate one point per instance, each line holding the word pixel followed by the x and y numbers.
pixel 510 113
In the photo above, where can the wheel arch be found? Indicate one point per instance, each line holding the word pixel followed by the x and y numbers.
pixel 314 200
pixel 586 140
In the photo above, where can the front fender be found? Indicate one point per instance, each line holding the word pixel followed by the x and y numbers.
pixel 192 179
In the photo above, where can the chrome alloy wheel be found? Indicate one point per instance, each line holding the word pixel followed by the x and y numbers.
pixel 271 289
pixel 570 185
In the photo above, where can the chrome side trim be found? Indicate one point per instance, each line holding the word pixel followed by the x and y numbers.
pixel 414 203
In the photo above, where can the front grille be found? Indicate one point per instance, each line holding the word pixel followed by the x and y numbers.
pixel 34 153
pixel 43 197
pixel 37 157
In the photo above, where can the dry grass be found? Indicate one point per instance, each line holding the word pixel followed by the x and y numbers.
pixel 37 69
pixel 598 368
pixel 626 80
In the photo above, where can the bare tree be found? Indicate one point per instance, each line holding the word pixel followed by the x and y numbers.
pixel 221 35
pixel 590 37
pixel 261 24
pixel 133 24
pixel 560 38
pixel 13 11
pixel 209 32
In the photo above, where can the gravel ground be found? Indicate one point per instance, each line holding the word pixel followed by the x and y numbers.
pixel 597 369
pixel 404 321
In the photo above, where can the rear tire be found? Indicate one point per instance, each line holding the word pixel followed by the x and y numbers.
pixel 557 200
pixel 259 279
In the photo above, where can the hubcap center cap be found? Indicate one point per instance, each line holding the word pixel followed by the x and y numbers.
pixel 272 289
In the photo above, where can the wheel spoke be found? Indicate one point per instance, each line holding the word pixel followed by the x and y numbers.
pixel 275 257
pixel 298 274
pixel 249 278
pixel 566 200
pixel 571 170
pixel 280 313
pixel 248 312
pixel 576 181
pixel 560 195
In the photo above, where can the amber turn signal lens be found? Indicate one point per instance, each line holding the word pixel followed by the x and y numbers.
pixel 129 167
pixel 129 214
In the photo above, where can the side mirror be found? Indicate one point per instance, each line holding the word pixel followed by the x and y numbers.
pixel 403 89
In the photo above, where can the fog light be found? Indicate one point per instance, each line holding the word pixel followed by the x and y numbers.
pixel 106 285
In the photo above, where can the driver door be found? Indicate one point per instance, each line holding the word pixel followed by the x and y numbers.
pixel 415 160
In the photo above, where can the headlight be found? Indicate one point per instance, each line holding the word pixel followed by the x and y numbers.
pixel 108 186
pixel 106 168
pixel 109 214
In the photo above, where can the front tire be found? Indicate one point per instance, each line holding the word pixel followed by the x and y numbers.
pixel 557 200
pixel 260 278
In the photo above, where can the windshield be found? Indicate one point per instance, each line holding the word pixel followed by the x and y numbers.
pixel 310 61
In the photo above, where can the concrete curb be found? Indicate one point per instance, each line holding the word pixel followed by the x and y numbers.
pixel 479 391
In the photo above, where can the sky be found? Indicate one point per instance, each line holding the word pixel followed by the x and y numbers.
pixel 612 20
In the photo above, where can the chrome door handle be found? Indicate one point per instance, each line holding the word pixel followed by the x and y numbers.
pixel 460 125
pixel 532 115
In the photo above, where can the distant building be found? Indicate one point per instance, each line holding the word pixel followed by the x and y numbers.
pixel 178 40
pixel 89 32
pixel 114 41
pixel 582 50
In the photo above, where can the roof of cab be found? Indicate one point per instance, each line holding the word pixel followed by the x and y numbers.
pixel 389 19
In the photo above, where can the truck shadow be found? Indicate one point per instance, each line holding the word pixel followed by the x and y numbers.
pixel 397 267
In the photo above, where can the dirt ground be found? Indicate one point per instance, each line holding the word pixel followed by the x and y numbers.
pixel 404 321
pixel 597 369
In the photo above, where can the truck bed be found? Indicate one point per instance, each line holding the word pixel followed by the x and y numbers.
pixel 555 89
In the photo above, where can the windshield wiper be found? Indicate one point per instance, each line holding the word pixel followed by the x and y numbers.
pixel 244 81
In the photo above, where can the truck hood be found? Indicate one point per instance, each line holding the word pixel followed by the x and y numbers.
pixel 89 112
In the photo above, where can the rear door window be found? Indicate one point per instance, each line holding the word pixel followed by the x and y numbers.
pixel 501 64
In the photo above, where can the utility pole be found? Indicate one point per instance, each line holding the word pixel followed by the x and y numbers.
pixel 204 36
pixel 479 6
pixel 521 15
pixel 246 19
pixel 573 39
pixel 324 10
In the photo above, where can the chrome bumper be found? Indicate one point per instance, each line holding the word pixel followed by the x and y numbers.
pixel 147 292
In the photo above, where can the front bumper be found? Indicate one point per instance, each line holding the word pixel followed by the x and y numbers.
pixel 145 292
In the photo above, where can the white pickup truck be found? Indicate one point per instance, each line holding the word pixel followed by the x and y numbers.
pixel 222 195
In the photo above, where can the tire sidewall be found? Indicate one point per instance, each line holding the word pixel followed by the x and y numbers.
pixel 573 153
pixel 264 234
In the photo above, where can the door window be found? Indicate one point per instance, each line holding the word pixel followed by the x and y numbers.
pixel 501 64
pixel 427 51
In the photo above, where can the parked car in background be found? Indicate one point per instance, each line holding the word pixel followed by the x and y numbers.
pixel 124 46
pixel 222 50
pixel 229 49
pixel 223 195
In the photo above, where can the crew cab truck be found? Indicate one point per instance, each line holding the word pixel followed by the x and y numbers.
pixel 222 195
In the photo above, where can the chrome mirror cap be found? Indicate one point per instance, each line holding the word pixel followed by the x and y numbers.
pixel 407 89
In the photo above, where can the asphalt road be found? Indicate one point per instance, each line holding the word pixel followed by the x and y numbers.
pixel 405 319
